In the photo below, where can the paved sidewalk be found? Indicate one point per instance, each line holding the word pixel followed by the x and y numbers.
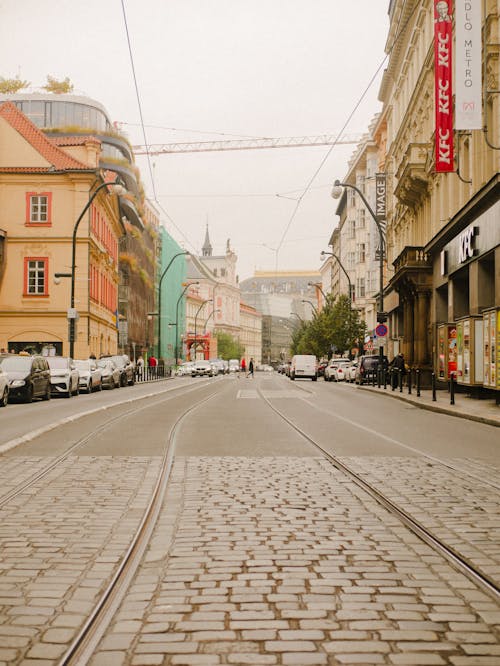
pixel 465 407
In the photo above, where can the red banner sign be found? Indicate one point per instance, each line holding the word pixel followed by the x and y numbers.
pixel 443 10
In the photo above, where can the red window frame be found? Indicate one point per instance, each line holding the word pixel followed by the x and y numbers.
pixel 45 261
pixel 36 223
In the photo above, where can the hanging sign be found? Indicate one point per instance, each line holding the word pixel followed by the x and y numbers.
pixel 443 10
pixel 468 84
pixel 380 196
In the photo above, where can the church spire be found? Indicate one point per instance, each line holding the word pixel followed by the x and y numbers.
pixel 206 250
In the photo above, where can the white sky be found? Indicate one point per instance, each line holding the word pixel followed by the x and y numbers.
pixel 273 68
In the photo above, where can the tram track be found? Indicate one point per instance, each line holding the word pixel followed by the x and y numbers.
pixel 460 563
pixel 80 442
pixel 85 643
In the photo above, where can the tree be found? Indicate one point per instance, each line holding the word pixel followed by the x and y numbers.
pixel 58 87
pixel 8 86
pixel 228 347
pixel 337 328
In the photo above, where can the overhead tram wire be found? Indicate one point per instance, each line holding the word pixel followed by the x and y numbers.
pixel 151 175
pixel 328 153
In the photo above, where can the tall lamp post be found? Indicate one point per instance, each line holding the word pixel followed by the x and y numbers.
pixel 186 287
pixel 209 300
pixel 159 297
pixel 312 305
pixel 381 315
pixel 294 314
pixel 332 254
pixel 318 286
pixel 72 312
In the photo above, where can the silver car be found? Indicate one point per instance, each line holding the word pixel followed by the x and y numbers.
pixel 4 388
pixel 64 376
pixel 90 375
pixel 202 369
pixel 110 373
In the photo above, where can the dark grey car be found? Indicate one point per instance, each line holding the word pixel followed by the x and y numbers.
pixel 29 376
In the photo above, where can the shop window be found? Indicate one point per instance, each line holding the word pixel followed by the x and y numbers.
pixel 39 208
pixel 36 276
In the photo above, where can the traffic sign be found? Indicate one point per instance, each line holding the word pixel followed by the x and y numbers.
pixel 381 330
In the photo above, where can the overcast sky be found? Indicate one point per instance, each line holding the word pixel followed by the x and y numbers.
pixel 209 68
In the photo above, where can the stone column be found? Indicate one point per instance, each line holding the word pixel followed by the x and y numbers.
pixel 408 328
pixel 422 312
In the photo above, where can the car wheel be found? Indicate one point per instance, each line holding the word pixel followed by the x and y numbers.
pixel 29 394
pixel 69 394
pixel 48 394
pixel 89 388
pixel 5 397
pixel 100 387
pixel 132 381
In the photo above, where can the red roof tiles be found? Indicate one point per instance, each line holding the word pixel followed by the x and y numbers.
pixel 58 159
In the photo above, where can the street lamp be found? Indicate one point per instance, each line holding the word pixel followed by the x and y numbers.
pixel 186 287
pixel 210 315
pixel 312 305
pixel 72 315
pixel 209 300
pixel 294 314
pixel 159 297
pixel 381 315
pixel 318 286
pixel 332 254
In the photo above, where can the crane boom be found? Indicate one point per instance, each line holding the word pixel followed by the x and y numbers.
pixel 246 144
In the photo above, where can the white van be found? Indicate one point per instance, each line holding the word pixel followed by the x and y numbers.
pixel 304 365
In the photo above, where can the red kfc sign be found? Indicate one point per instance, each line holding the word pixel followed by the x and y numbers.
pixel 443 10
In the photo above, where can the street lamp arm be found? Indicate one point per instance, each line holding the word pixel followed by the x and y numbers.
pixel 337 183
pixel 341 265
pixel 159 296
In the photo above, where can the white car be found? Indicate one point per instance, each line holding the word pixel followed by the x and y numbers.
pixel 185 368
pixel 202 369
pixel 90 375
pixel 351 372
pixel 336 369
pixel 64 377
pixel 4 388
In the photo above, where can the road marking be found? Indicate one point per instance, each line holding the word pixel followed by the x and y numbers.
pixel 244 394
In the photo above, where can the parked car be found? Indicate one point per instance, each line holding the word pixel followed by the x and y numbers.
pixel 321 368
pixel 367 369
pixel 219 366
pixel 304 366
pixel 90 375
pixel 4 388
pixel 125 366
pixel 110 373
pixel 351 372
pixel 336 369
pixel 64 377
pixel 234 365
pixel 185 368
pixel 29 376
pixel 202 369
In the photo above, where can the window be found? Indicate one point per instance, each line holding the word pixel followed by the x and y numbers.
pixel 361 218
pixel 35 276
pixel 360 287
pixel 351 257
pixel 360 253
pixel 351 226
pixel 39 208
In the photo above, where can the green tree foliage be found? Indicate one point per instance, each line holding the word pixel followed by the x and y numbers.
pixel 336 329
pixel 228 347
pixel 58 87
pixel 8 86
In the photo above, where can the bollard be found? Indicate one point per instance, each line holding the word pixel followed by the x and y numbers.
pixel 400 380
pixel 385 379
pixel 452 388
pixel 409 381
pixel 379 378
pixel 393 383
pixel 373 378
pixel 433 382
pixel 417 372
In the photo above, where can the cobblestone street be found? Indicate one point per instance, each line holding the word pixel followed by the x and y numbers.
pixel 284 561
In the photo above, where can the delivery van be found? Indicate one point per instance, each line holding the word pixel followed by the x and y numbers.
pixel 304 365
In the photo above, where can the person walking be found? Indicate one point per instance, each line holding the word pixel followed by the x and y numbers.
pixel 153 364
pixel 399 368
pixel 139 366
pixel 243 366
pixel 250 368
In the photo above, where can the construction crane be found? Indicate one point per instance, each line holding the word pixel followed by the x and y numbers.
pixel 247 144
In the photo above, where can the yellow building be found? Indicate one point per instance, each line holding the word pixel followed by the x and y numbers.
pixel 44 189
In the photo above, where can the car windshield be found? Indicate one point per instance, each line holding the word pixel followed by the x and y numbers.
pixel 83 365
pixel 104 363
pixel 118 360
pixel 57 362
pixel 16 363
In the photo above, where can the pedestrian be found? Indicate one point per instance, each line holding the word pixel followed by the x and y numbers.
pixel 152 363
pixel 243 366
pixel 139 367
pixel 250 368
pixel 399 369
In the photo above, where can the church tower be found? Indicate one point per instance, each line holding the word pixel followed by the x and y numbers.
pixel 206 250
